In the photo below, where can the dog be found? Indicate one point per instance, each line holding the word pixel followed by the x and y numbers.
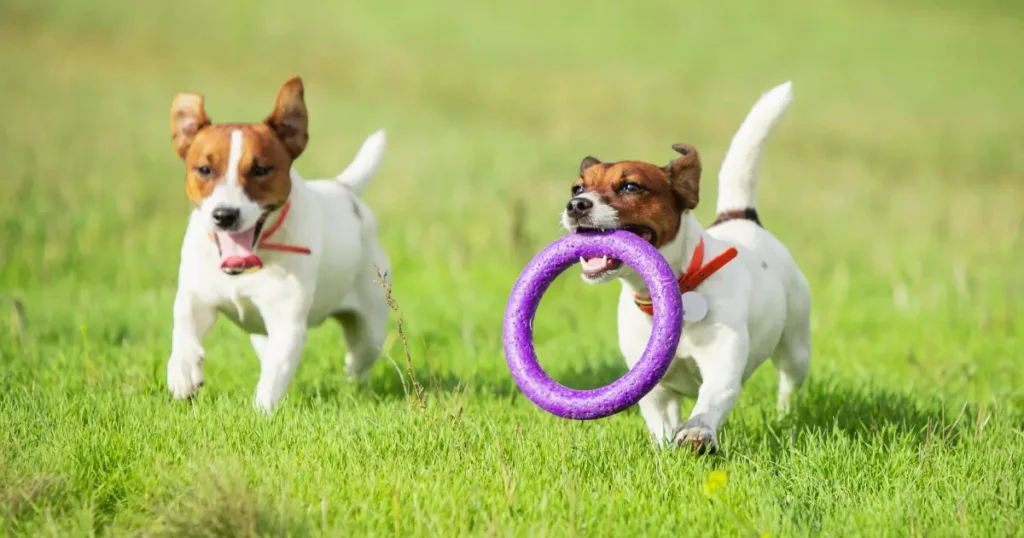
pixel 744 297
pixel 274 253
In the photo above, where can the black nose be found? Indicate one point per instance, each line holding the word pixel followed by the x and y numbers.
pixel 225 217
pixel 579 205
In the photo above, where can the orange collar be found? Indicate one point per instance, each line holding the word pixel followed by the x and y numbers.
pixel 264 242
pixel 695 274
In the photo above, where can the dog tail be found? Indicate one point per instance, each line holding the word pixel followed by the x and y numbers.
pixel 737 179
pixel 360 171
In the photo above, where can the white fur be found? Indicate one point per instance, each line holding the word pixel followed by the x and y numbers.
pixel 234 157
pixel 358 173
pixel 293 292
pixel 601 216
pixel 229 193
pixel 737 179
pixel 759 304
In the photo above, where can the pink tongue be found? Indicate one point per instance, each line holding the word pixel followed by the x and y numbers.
pixel 593 266
pixel 236 248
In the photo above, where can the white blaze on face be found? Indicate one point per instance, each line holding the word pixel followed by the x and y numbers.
pixel 601 215
pixel 229 192
pixel 234 157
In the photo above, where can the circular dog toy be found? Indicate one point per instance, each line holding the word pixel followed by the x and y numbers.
pixel 563 401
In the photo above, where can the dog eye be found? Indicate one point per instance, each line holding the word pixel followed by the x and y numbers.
pixel 631 188
pixel 204 171
pixel 259 171
pixel 577 190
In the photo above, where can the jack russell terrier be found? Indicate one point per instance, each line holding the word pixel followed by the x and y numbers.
pixel 274 253
pixel 744 297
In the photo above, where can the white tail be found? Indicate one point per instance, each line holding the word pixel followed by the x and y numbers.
pixel 737 179
pixel 360 171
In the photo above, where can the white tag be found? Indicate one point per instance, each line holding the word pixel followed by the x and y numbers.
pixel 695 307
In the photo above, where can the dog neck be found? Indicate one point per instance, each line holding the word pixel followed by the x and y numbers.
pixel 677 253
pixel 286 232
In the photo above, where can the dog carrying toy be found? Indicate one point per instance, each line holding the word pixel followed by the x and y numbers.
pixel 667 319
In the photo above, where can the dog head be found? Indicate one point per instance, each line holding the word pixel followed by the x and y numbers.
pixel 237 174
pixel 638 197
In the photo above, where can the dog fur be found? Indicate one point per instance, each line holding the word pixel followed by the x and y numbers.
pixel 245 171
pixel 759 304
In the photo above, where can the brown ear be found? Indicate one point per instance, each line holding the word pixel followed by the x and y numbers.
pixel 289 120
pixel 588 161
pixel 684 173
pixel 187 118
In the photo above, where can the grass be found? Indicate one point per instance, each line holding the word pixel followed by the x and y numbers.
pixel 895 180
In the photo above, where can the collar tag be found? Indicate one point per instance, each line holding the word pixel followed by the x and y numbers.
pixel 694 276
pixel 695 307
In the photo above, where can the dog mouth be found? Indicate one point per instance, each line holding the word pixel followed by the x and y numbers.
pixel 237 250
pixel 602 268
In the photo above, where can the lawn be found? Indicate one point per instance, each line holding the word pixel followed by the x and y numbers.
pixel 895 179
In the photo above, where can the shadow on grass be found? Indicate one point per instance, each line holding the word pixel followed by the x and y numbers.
pixel 390 385
pixel 870 414
pixel 826 408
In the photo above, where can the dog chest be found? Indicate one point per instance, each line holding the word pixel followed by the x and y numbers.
pixel 243 313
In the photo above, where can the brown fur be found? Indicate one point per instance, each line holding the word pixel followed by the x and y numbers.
pixel 273 144
pixel 738 214
pixel 289 120
pixel 667 191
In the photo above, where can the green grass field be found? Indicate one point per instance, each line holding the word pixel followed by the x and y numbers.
pixel 895 179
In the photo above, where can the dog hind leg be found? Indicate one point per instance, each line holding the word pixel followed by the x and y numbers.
pixel 365 329
pixel 792 359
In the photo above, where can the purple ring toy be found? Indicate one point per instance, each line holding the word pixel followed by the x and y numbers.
pixel 542 270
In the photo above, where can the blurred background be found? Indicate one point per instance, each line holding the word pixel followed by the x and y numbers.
pixel 895 179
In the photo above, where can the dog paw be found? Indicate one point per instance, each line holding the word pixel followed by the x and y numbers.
pixel 265 401
pixel 184 377
pixel 356 370
pixel 263 405
pixel 783 409
pixel 697 437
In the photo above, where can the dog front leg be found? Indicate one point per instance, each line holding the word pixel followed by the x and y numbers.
pixel 286 335
pixel 721 365
pixel 192 320
pixel 660 409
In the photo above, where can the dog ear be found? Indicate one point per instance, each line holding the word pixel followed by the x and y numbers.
pixel 588 161
pixel 187 118
pixel 289 120
pixel 684 174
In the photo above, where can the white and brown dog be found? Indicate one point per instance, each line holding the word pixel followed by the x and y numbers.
pixel 274 253
pixel 745 299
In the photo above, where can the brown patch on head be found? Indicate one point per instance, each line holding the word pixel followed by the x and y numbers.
pixel 261 167
pixel 264 151
pixel 588 161
pixel 646 195
pixel 289 119
pixel 684 173
pixel 188 117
